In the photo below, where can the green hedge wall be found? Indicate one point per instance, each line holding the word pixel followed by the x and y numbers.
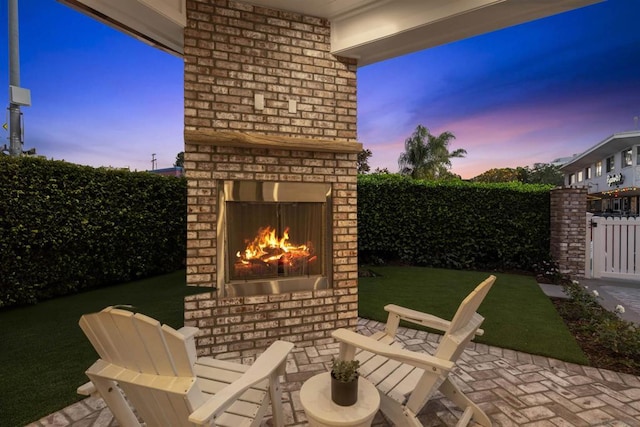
pixel 452 224
pixel 66 227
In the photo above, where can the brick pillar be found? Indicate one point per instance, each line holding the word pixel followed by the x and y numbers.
pixel 235 52
pixel 568 229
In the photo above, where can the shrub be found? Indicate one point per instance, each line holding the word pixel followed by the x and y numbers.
pixel 66 227
pixel 602 328
pixel 453 224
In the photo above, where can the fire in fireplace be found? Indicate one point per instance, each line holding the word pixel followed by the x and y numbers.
pixel 274 237
pixel 271 256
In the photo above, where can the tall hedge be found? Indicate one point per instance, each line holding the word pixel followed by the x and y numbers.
pixel 66 227
pixel 452 224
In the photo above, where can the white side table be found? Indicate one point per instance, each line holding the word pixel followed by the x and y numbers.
pixel 315 396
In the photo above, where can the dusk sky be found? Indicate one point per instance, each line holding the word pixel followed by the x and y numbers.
pixel 531 93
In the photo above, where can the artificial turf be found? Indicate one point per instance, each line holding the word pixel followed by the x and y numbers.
pixel 43 352
pixel 518 315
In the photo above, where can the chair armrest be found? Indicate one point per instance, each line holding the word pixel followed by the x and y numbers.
pixel 265 366
pixel 420 360
pixel 420 318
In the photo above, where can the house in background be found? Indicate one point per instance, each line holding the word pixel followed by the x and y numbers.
pixel 173 171
pixel 610 170
pixel 560 161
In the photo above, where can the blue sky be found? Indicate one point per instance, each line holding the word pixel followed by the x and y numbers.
pixel 531 93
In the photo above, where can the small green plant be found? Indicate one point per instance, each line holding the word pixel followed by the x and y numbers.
pixel 548 272
pixel 605 328
pixel 344 370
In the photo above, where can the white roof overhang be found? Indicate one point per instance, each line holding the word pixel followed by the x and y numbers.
pixel 157 22
pixel 611 145
pixel 368 30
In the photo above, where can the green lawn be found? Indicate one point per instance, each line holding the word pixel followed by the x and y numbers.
pixel 517 314
pixel 44 353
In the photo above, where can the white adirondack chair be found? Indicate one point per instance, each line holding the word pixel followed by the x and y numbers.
pixel 405 379
pixel 157 370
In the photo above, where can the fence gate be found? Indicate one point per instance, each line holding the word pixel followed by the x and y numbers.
pixel 613 248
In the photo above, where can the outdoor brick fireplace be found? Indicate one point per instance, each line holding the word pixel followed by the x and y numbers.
pixel 270 156
pixel 274 236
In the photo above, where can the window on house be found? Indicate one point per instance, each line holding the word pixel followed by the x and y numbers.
pixel 599 168
pixel 587 173
pixel 572 179
pixel 580 175
pixel 610 164
pixel 627 157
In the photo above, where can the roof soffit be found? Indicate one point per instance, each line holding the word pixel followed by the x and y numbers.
pixel 609 146
pixel 368 30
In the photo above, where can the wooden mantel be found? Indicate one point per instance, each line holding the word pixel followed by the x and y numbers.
pixel 241 139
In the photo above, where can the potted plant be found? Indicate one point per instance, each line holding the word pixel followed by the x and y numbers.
pixel 344 381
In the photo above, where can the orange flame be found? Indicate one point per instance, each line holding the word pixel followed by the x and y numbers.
pixel 267 247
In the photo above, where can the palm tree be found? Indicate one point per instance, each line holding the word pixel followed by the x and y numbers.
pixel 428 159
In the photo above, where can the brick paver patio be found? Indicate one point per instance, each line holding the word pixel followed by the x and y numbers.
pixel 515 389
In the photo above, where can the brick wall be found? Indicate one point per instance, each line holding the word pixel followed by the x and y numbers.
pixel 568 229
pixel 234 51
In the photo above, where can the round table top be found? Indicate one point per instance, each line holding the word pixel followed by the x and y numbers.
pixel 315 396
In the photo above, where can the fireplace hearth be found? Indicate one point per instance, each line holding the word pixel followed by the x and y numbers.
pixel 274 237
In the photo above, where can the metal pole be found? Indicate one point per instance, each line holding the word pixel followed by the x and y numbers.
pixel 15 131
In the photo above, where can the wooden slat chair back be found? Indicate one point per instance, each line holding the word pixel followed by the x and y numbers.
pixel 405 379
pixel 465 323
pixel 156 368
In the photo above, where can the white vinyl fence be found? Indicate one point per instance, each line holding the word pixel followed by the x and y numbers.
pixel 613 248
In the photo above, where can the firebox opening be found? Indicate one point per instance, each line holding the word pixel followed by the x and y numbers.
pixel 274 237
pixel 274 240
